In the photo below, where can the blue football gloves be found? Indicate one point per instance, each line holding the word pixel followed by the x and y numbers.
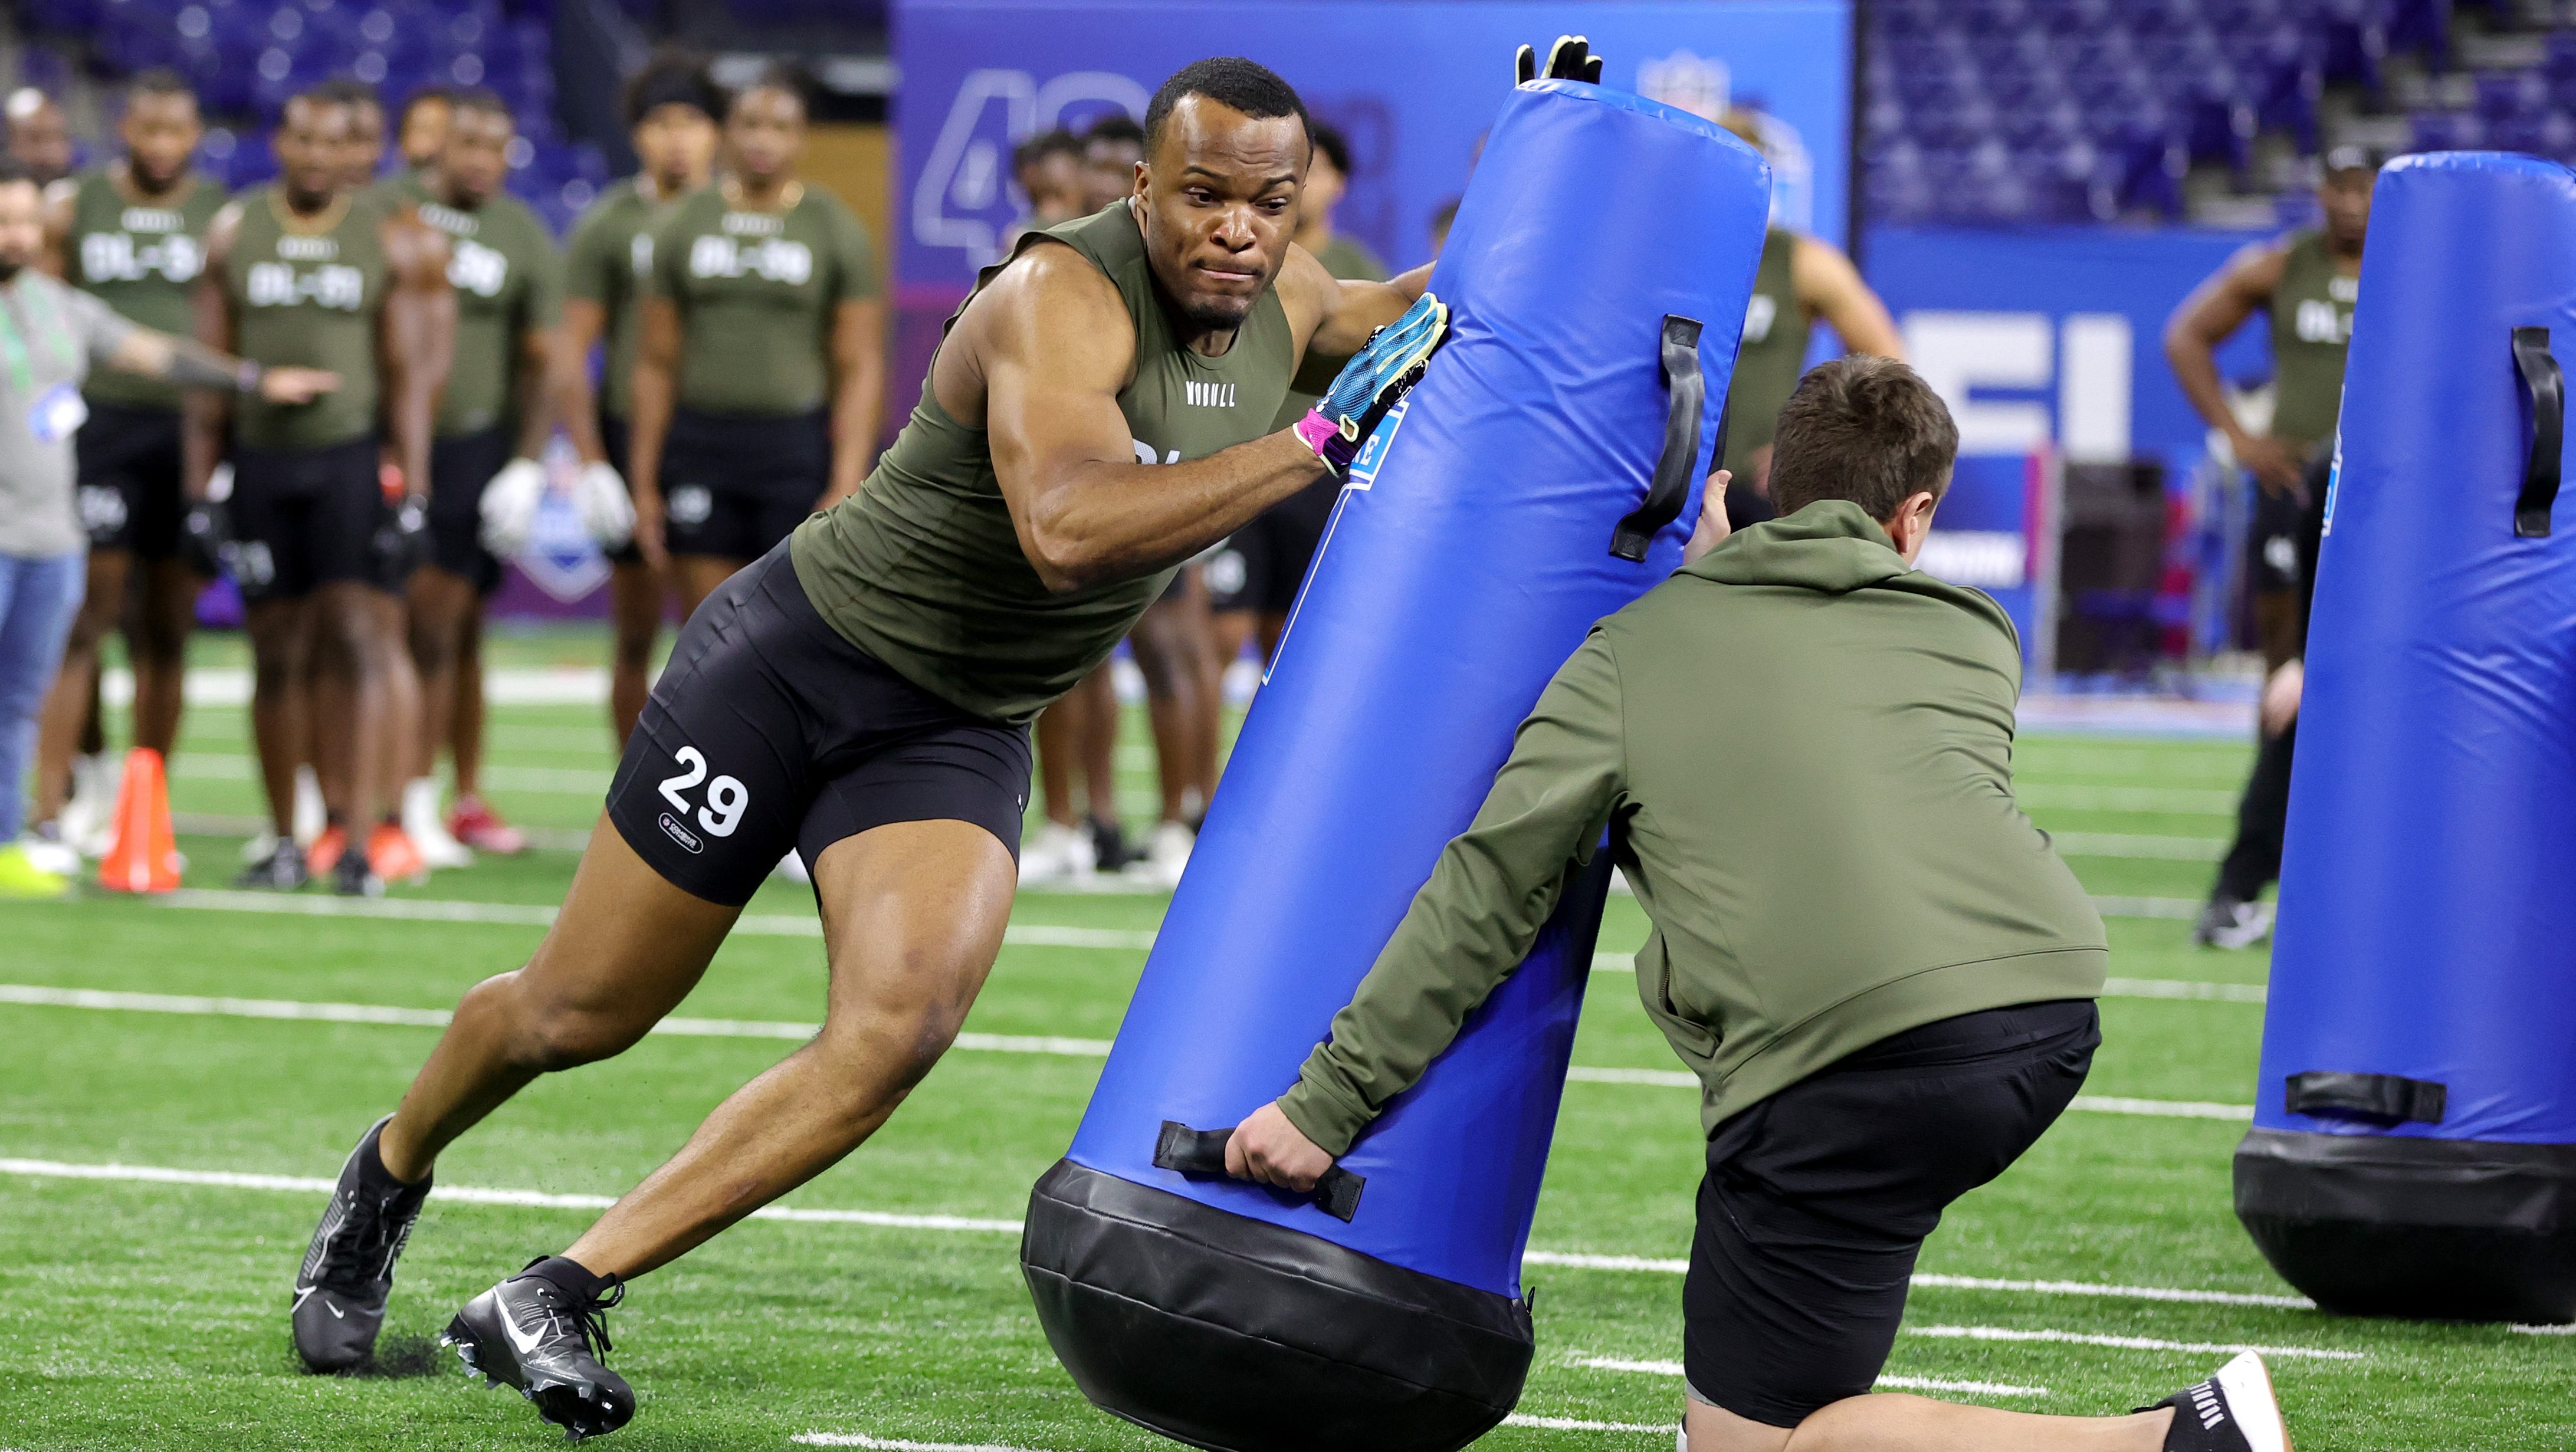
pixel 1375 380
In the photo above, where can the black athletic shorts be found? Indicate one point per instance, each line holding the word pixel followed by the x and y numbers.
pixel 768 731
pixel 130 496
pixel 732 486
pixel 612 442
pixel 1818 1198
pixel 458 470
pixel 1262 565
pixel 306 518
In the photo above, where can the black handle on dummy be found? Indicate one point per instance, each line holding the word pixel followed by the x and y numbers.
pixel 1671 486
pixel 2548 389
pixel 1202 1152
pixel 2387 1099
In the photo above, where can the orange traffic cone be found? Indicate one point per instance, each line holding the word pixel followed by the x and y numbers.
pixel 145 855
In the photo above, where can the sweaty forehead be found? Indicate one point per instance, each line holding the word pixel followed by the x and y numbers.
pixel 1213 136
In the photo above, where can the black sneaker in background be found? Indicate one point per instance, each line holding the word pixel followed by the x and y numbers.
pixel 2234 1411
pixel 1109 844
pixel 282 870
pixel 348 1271
pixel 2228 923
pixel 352 877
pixel 535 1333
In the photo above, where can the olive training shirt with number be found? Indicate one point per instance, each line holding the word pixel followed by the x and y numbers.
pixel 922 568
pixel 1772 356
pixel 306 293
pixel 610 262
pixel 2311 328
pixel 501 262
pixel 757 292
pixel 140 258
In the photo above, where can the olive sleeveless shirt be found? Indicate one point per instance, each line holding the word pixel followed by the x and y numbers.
pixel 140 258
pixel 922 568
pixel 2311 327
pixel 306 291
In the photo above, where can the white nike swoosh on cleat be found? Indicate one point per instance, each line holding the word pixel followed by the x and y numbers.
pixel 510 1328
pixel 336 1312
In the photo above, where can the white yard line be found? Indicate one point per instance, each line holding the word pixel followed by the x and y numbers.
pixel 47 996
pixel 1577 1424
pixel 2128 1343
pixel 515 686
pixel 531 915
pixel 894 1444
pixel 547 1200
pixel 1892 1383
pixel 2116 844
pixel 2543 1330
pixel 2175 801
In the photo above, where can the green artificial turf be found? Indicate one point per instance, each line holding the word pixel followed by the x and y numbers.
pixel 153 1315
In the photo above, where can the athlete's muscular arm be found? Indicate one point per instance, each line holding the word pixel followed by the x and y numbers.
pixel 415 342
pixel 654 391
pixel 569 372
pixel 2215 309
pixel 208 415
pixel 1345 312
pixel 1829 286
pixel 858 387
pixel 60 200
pixel 1054 345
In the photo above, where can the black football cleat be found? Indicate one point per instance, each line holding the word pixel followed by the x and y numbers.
pixel 348 1271
pixel 545 1339
pixel 282 870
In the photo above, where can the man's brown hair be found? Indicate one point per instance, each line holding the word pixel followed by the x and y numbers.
pixel 1862 428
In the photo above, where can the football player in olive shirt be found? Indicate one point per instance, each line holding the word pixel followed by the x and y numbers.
pixel 131 233
pixel 510 378
pixel 761 358
pixel 671 110
pixel 863 692
pixel 295 274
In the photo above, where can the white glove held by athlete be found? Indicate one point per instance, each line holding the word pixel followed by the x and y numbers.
pixel 510 506
pixel 607 510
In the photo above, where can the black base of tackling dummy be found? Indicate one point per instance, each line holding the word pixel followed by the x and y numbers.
pixel 1239 1336
pixel 2456 1230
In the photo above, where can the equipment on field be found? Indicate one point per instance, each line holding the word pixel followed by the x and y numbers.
pixel 1542 475
pixel 144 857
pixel 2414 1141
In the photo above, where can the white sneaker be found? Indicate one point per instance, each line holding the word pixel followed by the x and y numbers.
pixel 47 854
pixel 261 847
pixel 310 814
pixel 1167 853
pixel 88 821
pixel 792 867
pixel 427 827
pixel 2227 923
pixel 2234 1411
pixel 1060 854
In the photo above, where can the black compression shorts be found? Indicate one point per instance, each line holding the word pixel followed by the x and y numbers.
pixel 1262 566
pixel 732 486
pixel 459 468
pixel 305 518
pixel 1818 1198
pixel 130 496
pixel 768 731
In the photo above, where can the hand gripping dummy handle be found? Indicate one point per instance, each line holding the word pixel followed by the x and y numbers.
pixel 1202 1152
pixel 1672 479
pixel 2548 389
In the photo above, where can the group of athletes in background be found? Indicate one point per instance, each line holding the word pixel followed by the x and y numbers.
pixel 743 352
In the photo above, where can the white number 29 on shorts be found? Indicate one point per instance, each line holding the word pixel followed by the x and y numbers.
pixel 726 797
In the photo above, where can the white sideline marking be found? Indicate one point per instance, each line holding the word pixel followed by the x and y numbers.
pixel 894 1444
pixel 1577 1424
pixel 2184 801
pixel 473 1195
pixel 2125 844
pixel 2543 1330
pixel 2183 988
pixel 531 915
pixel 516 686
pixel 539 1199
pixel 2128 1343
pixel 40 996
pixel 718 1028
pixel 1894 1383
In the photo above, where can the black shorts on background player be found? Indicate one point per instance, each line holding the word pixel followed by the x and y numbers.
pixel 769 731
pixel 130 495
pixel 305 518
pixel 458 470
pixel 1818 1199
pixel 732 487
pixel 1261 567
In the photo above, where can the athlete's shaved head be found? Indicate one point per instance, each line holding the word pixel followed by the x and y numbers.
pixel 1226 147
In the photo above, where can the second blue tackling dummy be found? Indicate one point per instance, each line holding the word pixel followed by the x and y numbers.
pixel 1543 475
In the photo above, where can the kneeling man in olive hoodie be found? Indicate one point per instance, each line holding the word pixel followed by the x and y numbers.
pixel 1800 748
